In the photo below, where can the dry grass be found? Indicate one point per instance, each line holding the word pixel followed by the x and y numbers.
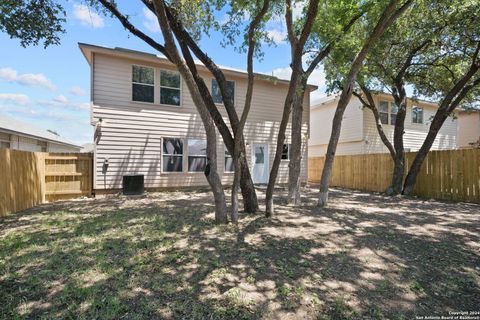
pixel 365 256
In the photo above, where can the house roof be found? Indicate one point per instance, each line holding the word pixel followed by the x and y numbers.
pixel 334 97
pixel 87 49
pixel 14 126
pixel 469 111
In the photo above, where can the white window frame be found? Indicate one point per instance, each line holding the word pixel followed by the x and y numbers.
pixel 225 160
pixel 234 91
pixel 160 88
pixel 392 105
pixel 7 143
pixel 143 84
pixel 43 145
pixel 194 155
pixel 389 112
pixel 289 145
pixel 162 154
pixel 414 107
pixel 4 140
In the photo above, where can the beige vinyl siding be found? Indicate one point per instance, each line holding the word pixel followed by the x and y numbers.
pixel 131 132
pixel 55 147
pixel 343 148
pixel 415 133
pixel 468 129
pixel 321 117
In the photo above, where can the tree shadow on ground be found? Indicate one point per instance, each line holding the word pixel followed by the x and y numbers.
pixel 161 256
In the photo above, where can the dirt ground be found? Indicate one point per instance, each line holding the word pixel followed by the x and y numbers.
pixel 366 256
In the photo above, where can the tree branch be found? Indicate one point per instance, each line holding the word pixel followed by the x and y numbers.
pixel 326 50
pixel 130 27
pixel 372 106
pixel 209 64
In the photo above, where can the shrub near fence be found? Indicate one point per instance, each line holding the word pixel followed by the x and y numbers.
pixel 445 175
pixel 31 178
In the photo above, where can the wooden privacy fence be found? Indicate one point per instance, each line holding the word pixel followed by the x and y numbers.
pixel 30 178
pixel 446 174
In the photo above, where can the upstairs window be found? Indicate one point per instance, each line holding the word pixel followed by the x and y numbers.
pixel 417 114
pixel 172 155
pixel 197 155
pixel 217 95
pixel 286 152
pixel 142 84
pixel 387 112
pixel 4 140
pixel 383 111
pixel 393 113
pixel 229 165
pixel 42 145
pixel 170 88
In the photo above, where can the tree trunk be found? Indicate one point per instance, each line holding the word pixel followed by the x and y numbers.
pixel 211 170
pixel 250 201
pixel 389 15
pixel 276 160
pixel 370 104
pixel 400 98
pixel 238 136
pixel 295 164
pixel 297 50
pixel 411 178
pixel 332 145
pixel 451 101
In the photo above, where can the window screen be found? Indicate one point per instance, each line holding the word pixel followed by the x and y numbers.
pixel 172 155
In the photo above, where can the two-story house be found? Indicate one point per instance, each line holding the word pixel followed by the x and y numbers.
pixel 359 134
pixel 147 124
pixel 469 129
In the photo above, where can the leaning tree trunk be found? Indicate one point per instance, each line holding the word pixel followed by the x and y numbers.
pixel 238 135
pixel 295 164
pixel 414 170
pixel 287 108
pixel 250 201
pixel 400 98
pixel 451 101
pixel 332 145
pixel 389 15
pixel 211 170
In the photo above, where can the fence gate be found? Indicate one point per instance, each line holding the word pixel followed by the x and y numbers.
pixel 68 175
pixel 28 179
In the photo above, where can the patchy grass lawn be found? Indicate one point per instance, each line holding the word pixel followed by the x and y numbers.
pixel 365 256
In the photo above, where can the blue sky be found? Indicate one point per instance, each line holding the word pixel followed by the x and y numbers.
pixel 50 88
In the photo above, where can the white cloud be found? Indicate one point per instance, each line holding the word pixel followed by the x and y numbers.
pixel 150 21
pixel 77 91
pixel 19 99
pixel 87 17
pixel 62 102
pixel 276 35
pixel 316 78
pixel 26 79
pixel 61 99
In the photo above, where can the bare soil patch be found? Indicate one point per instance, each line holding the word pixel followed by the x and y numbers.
pixel 161 256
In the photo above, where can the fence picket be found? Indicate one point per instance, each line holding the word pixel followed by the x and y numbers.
pixel 445 174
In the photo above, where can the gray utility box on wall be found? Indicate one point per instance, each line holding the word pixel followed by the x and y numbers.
pixel 133 184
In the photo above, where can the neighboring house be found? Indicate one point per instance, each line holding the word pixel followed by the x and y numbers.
pixel 359 134
pixel 146 122
pixel 22 136
pixel 469 129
